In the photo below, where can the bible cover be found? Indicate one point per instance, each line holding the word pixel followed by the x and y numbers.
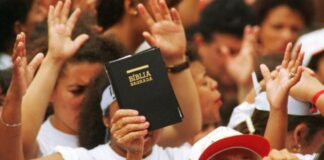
pixel 141 82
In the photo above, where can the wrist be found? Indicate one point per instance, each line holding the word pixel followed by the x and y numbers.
pixel 50 60
pixel 179 66
pixel 315 99
pixel 172 61
pixel 313 92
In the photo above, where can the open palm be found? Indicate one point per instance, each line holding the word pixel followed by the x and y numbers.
pixel 288 75
pixel 241 66
pixel 166 30
pixel 60 28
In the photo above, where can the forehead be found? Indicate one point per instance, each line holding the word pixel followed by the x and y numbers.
pixel 228 40
pixel 281 12
pixel 82 72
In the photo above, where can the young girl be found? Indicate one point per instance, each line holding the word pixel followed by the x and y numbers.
pixel 67 70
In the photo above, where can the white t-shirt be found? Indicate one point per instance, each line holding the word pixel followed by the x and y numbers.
pixel 49 137
pixel 104 152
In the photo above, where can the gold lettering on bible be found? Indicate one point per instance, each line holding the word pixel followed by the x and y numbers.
pixel 139 77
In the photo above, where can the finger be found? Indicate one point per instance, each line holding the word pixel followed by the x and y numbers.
pixel 156 10
pixel 176 16
pixel 15 48
pixel 50 17
pixel 165 10
pixel 150 39
pixel 23 40
pixel 127 120
pixel 19 50
pixel 265 73
pixel 286 59
pixel 297 77
pixel 145 15
pixel 132 136
pixel 256 30
pixel 247 30
pixel 65 11
pixel 70 24
pixel 123 113
pixel 57 12
pixel 79 41
pixel 35 63
pixel 297 51
pixel 291 65
pixel 293 61
pixel 132 128
pixel 299 60
pixel 16 66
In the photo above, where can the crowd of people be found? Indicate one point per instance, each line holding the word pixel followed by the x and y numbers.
pixel 248 76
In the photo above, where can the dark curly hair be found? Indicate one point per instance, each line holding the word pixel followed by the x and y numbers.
pixel 225 16
pixel 92 131
pixel 304 7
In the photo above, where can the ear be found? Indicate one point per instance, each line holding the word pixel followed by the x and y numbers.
pixel 299 133
pixel 130 7
pixel 198 39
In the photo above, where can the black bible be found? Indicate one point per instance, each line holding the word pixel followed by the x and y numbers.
pixel 141 82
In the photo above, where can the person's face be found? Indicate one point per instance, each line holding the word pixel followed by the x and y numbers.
pixel 69 93
pixel 320 70
pixel 211 55
pixel 236 154
pixel 281 26
pixel 315 144
pixel 209 96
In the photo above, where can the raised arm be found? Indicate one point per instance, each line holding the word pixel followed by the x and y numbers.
pixel 61 47
pixel 241 65
pixel 167 33
pixel 277 89
pixel 10 115
pixel 310 89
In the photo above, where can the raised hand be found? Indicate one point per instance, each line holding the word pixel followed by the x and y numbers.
pixel 60 27
pixel 19 54
pixel 128 131
pixel 288 75
pixel 241 65
pixel 10 116
pixel 165 31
